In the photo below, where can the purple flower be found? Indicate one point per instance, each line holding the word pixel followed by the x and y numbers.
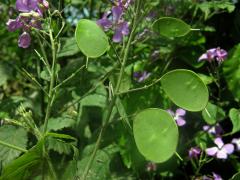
pixel 26 5
pixel 14 24
pixel 30 15
pixel 221 151
pixel 194 152
pixel 216 176
pixel 214 54
pixel 151 166
pixel 141 76
pixel 215 130
pixel 24 40
pixel 116 22
pixel 237 143
pixel 178 116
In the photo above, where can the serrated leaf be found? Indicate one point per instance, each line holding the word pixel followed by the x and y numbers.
pixel 69 48
pixel 59 146
pixel 60 123
pixel 14 136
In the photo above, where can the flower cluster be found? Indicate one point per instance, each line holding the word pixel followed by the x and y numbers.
pixel 31 12
pixel 114 19
pixel 214 130
pixel 178 116
pixel 217 54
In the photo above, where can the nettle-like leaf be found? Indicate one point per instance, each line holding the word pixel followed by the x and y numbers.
pixel 185 89
pixel 24 166
pixel 60 123
pixel 100 168
pixel 212 113
pixel 156 134
pixel 14 136
pixel 69 48
pixel 234 115
pixel 91 39
pixel 171 27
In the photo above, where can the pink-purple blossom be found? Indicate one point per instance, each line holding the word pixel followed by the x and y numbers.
pixel 194 152
pixel 114 19
pixel 221 151
pixel 141 76
pixel 214 130
pixel 217 54
pixel 178 116
pixel 31 12
pixel 151 166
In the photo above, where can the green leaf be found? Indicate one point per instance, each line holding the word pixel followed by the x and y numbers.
pixel 171 27
pixel 156 134
pixel 234 115
pixel 212 113
pixel 60 123
pixel 14 136
pixel 185 89
pixel 231 71
pixel 59 146
pixel 25 165
pixel 69 48
pixel 100 168
pixel 91 39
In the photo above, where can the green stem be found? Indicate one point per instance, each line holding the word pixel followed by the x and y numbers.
pixel 52 82
pixel 112 103
pixel 13 146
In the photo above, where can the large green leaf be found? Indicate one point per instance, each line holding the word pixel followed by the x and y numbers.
pixel 212 113
pixel 185 89
pixel 234 115
pixel 24 166
pixel 231 71
pixel 91 39
pixel 60 123
pixel 171 27
pixel 156 134
pixel 14 136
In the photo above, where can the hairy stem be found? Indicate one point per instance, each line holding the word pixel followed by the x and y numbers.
pixel 113 101
pixel 52 82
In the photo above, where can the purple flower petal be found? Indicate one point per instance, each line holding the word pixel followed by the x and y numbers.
pixel 26 5
pixel 180 112
pixel 104 23
pixel 14 24
pixel 180 122
pixel 221 154
pixel 194 152
pixel 24 40
pixel 203 57
pixel 212 151
pixel 218 141
pixel 117 37
pixel 229 148
pixel 124 28
pixel 117 12
pixel 216 176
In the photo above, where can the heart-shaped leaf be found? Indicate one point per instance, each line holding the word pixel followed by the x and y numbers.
pixel 185 89
pixel 156 134
pixel 91 39
pixel 171 27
